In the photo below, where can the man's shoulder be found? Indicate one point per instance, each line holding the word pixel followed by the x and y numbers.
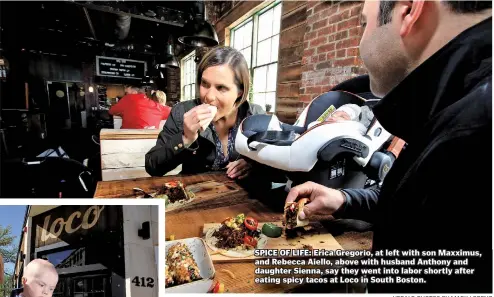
pixel 475 108
pixel 17 292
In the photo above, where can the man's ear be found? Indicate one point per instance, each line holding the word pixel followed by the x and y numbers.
pixel 24 280
pixel 410 12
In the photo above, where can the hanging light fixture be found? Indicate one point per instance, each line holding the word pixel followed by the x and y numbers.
pixel 199 32
pixel 157 70
pixel 170 59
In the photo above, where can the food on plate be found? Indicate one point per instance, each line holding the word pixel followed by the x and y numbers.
pixel 168 278
pixel 213 110
pixel 236 237
pixel 180 267
pixel 292 211
pixel 173 192
pixel 271 230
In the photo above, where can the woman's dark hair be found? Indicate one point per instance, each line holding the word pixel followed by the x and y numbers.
pixel 386 8
pixel 224 55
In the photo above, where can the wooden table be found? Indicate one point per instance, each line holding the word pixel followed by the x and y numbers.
pixel 123 188
pixel 351 235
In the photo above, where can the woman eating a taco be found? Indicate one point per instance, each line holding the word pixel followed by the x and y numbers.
pixel 200 134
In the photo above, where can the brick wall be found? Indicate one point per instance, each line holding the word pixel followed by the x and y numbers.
pixel 331 41
pixel 172 85
pixel 291 49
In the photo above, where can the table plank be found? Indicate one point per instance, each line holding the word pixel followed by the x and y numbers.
pixel 123 188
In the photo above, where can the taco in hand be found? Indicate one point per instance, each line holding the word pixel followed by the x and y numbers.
pixel 292 212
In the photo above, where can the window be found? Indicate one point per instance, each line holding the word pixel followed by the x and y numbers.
pixel 188 77
pixel 258 39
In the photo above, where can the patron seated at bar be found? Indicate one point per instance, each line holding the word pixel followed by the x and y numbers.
pixel 138 111
pixel 40 279
pixel 200 134
pixel 159 97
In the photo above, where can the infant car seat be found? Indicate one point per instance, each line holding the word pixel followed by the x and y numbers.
pixel 338 155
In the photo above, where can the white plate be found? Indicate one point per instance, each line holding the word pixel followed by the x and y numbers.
pixel 199 251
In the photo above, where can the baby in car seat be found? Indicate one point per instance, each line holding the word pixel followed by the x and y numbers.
pixel 348 112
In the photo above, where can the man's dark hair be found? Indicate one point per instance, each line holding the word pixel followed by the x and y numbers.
pixel 137 87
pixel 386 8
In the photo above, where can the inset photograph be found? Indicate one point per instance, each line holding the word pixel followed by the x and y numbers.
pixel 79 250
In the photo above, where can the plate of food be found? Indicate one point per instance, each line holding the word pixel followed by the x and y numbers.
pixel 188 267
pixel 236 237
pixel 174 193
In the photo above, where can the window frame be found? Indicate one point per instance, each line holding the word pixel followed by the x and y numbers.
pixel 189 57
pixel 254 18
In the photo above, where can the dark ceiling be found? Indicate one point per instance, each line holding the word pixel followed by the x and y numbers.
pixel 91 28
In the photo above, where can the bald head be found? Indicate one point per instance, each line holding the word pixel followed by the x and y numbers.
pixel 40 279
pixel 39 266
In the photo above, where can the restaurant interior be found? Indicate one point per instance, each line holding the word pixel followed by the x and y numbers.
pixel 55 90
pixel 64 68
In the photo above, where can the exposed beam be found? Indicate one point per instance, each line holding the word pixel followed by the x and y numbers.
pixel 114 11
pixel 88 18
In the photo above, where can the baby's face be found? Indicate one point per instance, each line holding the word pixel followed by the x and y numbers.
pixel 41 285
pixel 338 116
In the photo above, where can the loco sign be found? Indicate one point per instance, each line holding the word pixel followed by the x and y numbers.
pixel 55 229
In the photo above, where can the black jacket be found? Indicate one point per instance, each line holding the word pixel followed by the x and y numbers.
pixel 437 194
pixel 16 292
pixel 169 151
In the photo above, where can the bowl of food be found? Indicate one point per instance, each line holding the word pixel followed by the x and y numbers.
pixel 188 268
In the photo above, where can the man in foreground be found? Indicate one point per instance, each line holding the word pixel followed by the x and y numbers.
pixel 431 61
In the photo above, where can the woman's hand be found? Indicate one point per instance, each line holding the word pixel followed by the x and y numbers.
pixel 194 119
pixel 239 168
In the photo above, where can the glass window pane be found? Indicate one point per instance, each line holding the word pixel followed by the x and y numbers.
pixel 276 19
pixel 186 70
pixel 259 99
pixel 238 38
pixel 260 79
pixel 187 92
pixel 275 41
pixel 264 52
pixel 265 25
pixel 272 72
pixel 193 72
pixel 247 35
pixel 247 54
pixel 271 100
pixel 193 90
pixel 190 68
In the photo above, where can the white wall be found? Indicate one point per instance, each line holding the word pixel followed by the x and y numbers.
pixel 140 258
